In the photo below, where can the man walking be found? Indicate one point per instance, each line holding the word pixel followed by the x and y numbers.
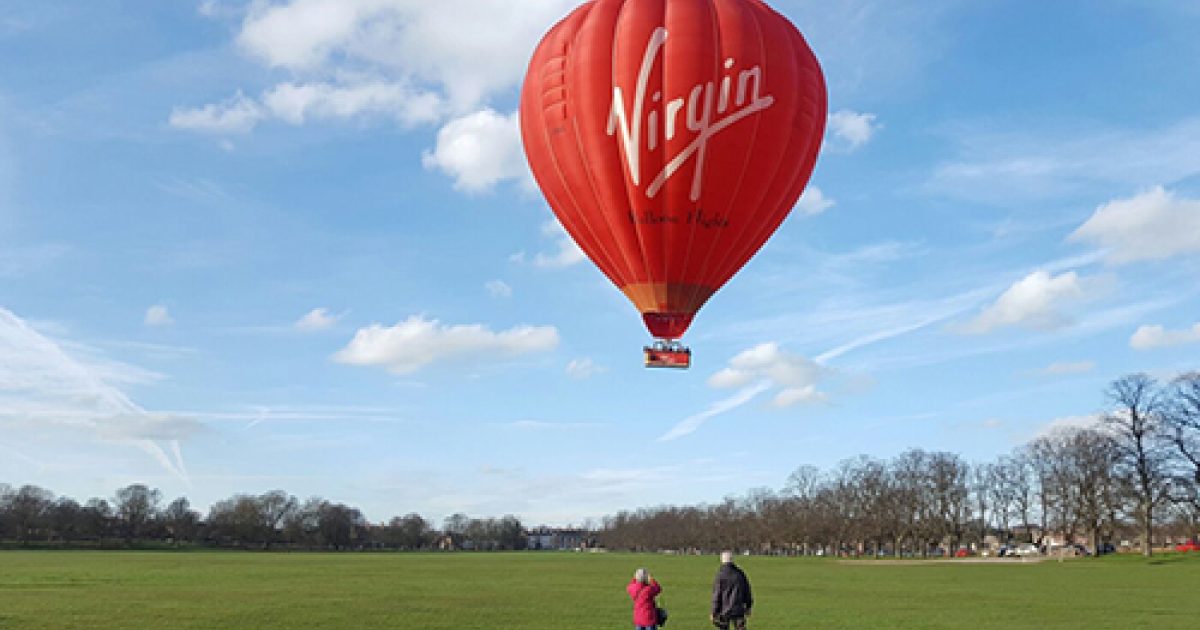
pixel 731 600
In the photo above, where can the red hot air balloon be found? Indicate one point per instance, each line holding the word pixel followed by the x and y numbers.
pixel 671 138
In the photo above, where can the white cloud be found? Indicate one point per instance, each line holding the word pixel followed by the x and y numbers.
pixel 537 425
pixel 1068 423
pixel 143 425
pixel 412 61
pixel 238 114
pixel 468 48
pixel 479 150
pixel 582 369
pixel 417 342
pixel 1035 301
pixel 296 103
pixel 301 34
pixel 813 202
pixel 1022 165
pixel 1151 337
pixel 498 288
pixel 568 253
pixel 1153 225
pixel 317 319
pixel 794 395
pixel 853 128
pixel 796 375
pixel 1064 368
pixel 44 385
pixel 208 8
pixel 158 315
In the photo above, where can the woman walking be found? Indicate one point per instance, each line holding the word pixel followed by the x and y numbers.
pixel 643 589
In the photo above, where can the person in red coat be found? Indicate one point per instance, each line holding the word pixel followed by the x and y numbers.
pixel 643 589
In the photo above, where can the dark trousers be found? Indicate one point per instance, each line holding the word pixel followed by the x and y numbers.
pixel 724 623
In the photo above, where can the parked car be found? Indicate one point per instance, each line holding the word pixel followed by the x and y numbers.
pixel 1073 549
pixel 1191 545
pixel 1106 548
pixel 1026 549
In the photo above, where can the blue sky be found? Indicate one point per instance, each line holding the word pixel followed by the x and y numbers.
pixel 294 244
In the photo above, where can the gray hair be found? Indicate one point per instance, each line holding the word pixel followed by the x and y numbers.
pixel 641 575
pixel 726 557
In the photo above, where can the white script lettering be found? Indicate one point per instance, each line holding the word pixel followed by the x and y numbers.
pixel 698 118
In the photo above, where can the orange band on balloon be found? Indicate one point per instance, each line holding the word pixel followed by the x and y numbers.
pixel 674 297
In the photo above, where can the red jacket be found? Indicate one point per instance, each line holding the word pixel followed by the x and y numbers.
pixel 643 595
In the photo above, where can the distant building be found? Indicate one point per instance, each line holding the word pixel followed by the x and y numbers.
pixel 556 539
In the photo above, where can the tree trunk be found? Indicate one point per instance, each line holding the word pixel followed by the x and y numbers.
pixel 1147 530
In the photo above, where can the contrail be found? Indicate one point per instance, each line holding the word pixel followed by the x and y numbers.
pixel 690 424
pixel 53 385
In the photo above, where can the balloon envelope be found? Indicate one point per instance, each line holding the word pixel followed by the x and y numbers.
pixel 671 138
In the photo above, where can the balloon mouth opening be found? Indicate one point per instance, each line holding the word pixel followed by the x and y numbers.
pixel 667 325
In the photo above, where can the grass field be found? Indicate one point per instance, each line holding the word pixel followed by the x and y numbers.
pixel 533 591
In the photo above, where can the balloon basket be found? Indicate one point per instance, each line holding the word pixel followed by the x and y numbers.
pixel 667 354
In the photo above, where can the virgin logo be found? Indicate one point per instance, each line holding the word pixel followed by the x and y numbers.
pixel 709 112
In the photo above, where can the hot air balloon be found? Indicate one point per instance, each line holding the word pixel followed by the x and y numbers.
pixel 671 138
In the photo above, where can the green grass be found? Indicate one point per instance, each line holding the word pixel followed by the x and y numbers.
pixel 532 591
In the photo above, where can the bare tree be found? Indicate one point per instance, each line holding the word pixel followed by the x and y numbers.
pixel 66 519
pixel 409 532
pixel 910 472
pixel 801 491
pixel 455 527
pixel 982 478
pixel 180 520
pixel 1183 426
pixel 1058 482
pixel 137 506
pixel 340 526
pixel 303 524
pixel 273 510
pixel 98 520
pixel 1026 491
pixel 1137 426
pixel 1092 459
pixel 27 512
pixel 1182 416
pixel 876 492
pixel 1002 488
pixel 948 488
pixel 237 519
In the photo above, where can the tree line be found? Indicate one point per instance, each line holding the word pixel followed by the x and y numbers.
pixel 1134 476
pixel 136 516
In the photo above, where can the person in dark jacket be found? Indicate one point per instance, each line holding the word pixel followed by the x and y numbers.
pixel 731 600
